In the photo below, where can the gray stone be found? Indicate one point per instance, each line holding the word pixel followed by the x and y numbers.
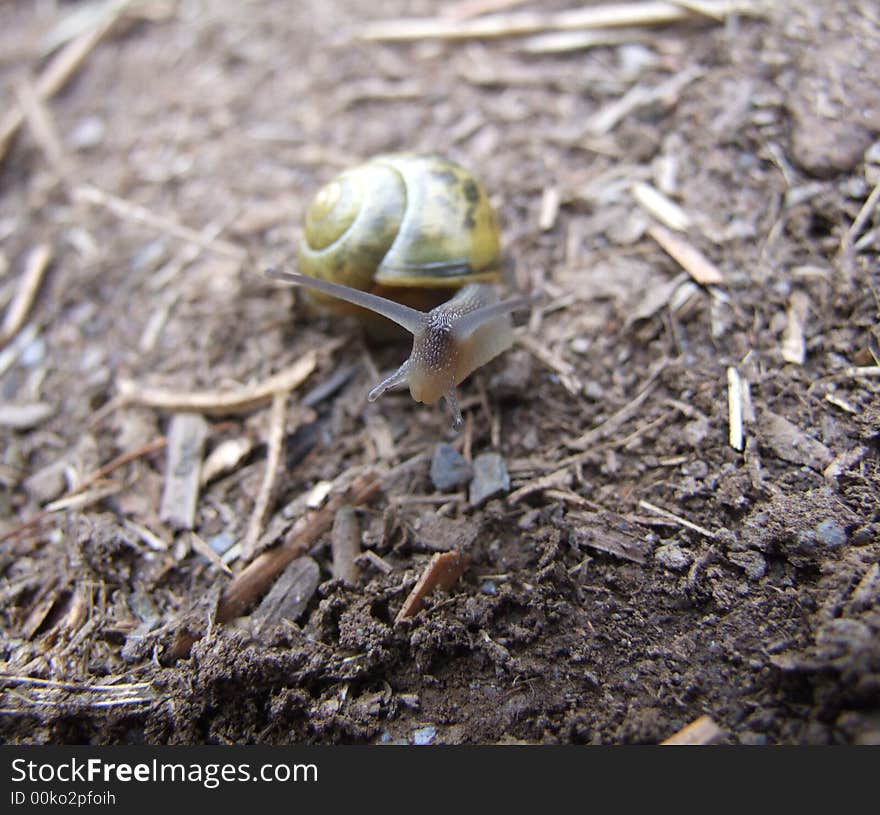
pixel 490 478
pixel 449 469
pixel 831 534
pixel 752 563
pixel 671 556
pixel 424 735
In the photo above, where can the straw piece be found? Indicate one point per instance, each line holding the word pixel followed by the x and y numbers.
pixel 661 207
pixel 37 263
pixel 610 15
pixel 691 259
pixel 735 409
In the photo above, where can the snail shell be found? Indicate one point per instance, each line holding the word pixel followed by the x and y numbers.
pixel 401 222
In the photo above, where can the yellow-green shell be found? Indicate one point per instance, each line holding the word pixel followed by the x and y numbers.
pixel 401 220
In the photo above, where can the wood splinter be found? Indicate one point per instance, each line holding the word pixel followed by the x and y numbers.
pixel 441 573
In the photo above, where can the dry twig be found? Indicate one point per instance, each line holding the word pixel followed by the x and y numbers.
pixel 665 513
pixel 220 403
pixel 267 487
pixel 32 278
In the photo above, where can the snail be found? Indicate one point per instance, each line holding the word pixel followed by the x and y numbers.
pixel 411 227
pixel 449 342
pixel 405 223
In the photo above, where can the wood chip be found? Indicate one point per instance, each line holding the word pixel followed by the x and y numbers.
pixel 790 443
pixel 289 597
pixel 549 209
pixel 186 440
pixel 794 346
pixel 225 457
pixel 442 571
pixel 665 210
pixel 699 732
pixel 595 531
pixel 37 263
pixel 24 417
pixel 345 544
pixel 219 403
pixel 691 259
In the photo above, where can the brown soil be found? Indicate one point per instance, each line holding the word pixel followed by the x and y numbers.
pixel 584 615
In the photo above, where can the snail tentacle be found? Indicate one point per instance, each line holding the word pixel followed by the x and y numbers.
pixel 409 318
pixel 451 400
pixel 466 324
pixel 399 377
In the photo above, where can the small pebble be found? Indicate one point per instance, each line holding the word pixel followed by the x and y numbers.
pixel 490 478
pixel 752 563
pixel 149 257
pixel 88 133
pixel 46 484
pixel 488 587
pixel 221 542
pixel 449 469
pixel 24 417
pixel 33 353
pixel 831 534
pixel 424 735
pixel 863 535
pixel 671 556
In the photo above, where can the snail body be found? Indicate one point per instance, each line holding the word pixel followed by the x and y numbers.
pixel 449 342
pixel 401 222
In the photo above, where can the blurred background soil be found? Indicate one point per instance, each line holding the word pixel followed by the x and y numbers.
pixel 638 562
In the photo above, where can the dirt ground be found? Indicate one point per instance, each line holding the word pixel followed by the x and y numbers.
pixel 644 568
